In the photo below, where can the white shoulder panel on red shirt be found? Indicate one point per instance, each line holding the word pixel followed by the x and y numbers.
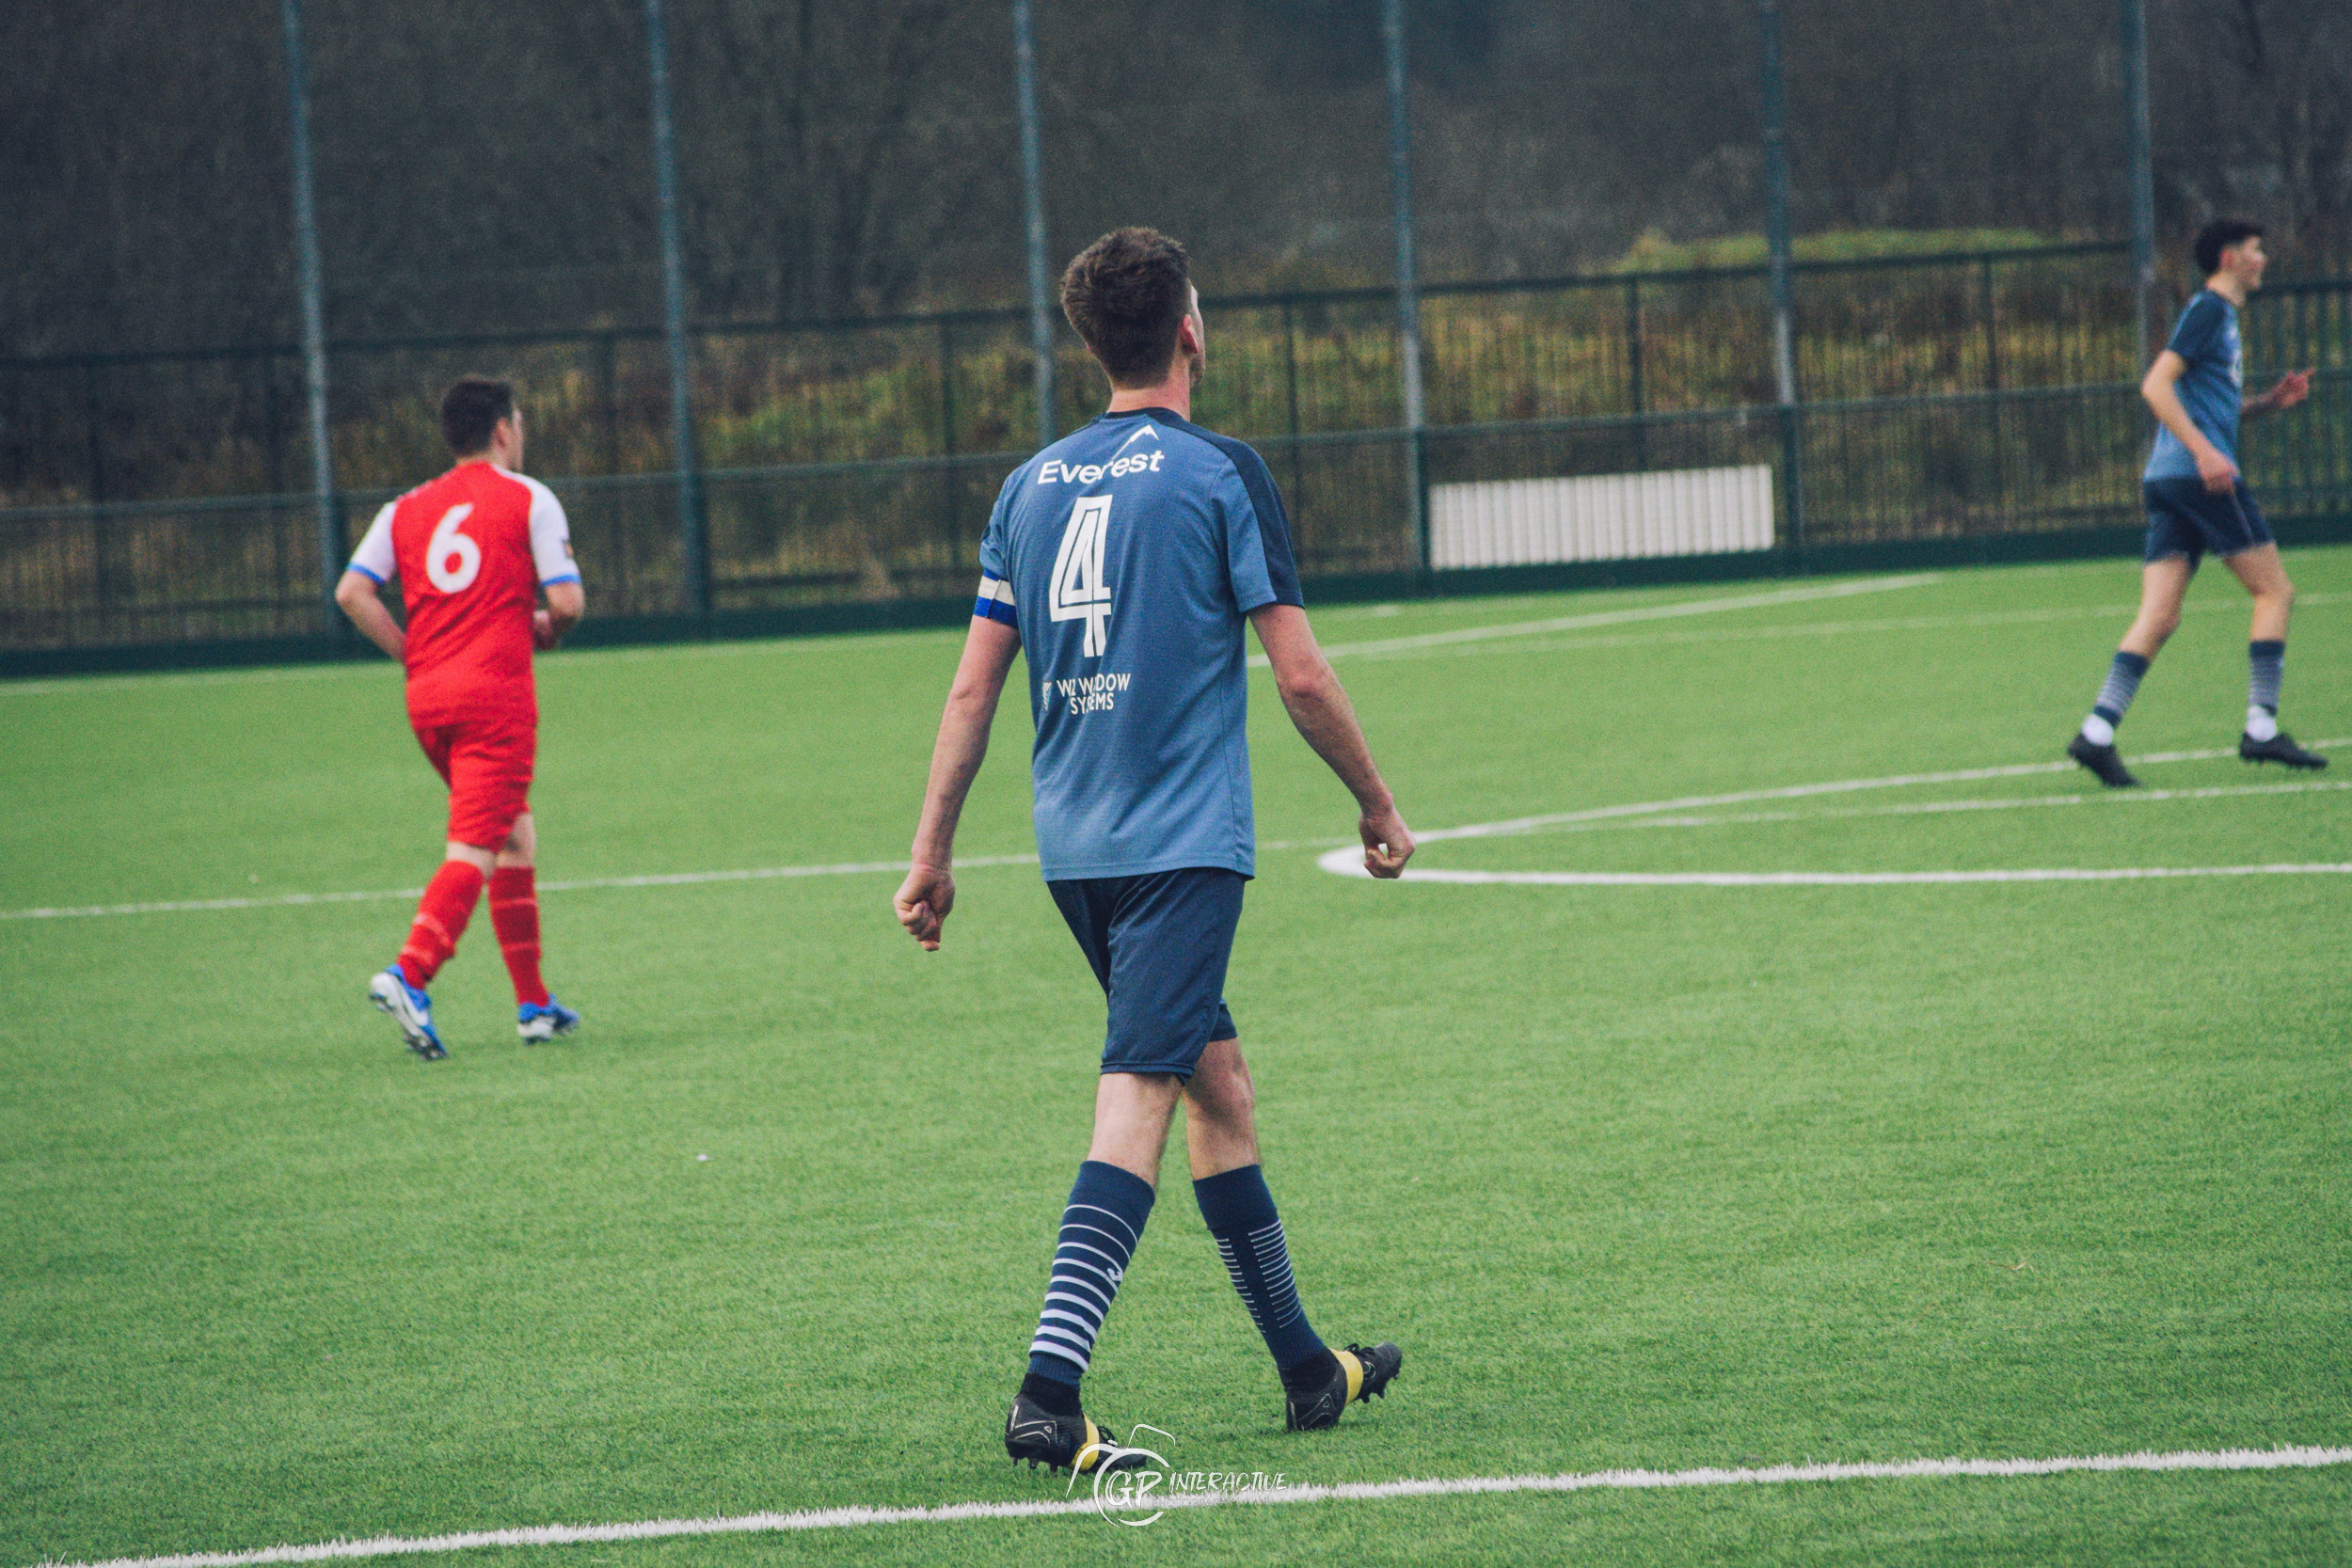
pixel 550 535
pixel 374 557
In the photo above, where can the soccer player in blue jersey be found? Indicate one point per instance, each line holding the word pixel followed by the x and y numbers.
pixel 1123 561
pixel 2197 502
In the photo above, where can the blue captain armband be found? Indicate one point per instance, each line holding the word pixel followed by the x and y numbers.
pixel 995 601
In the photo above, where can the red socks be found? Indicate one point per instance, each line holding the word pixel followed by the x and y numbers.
pixel 514 915
pixel 441 916
pixel 448 904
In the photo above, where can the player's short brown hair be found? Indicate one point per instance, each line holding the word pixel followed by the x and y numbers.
pixel 1127 294
pixel 472 409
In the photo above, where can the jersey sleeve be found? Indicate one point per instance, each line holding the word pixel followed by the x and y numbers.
pixel 1258 557
pixel 995 602
pixel 374 557
pixel 550 538
pixel 2198 334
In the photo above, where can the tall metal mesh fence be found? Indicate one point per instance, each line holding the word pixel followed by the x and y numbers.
pixel 1951 398
pixel 1981 393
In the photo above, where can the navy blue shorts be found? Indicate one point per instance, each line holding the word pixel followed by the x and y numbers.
pixel 1159 944
pixel 2187 520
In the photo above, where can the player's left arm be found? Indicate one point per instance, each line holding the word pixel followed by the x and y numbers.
pixel 567 604
pixel 924 898
pixel 1318 706
pixel 559 575
pixel 2291 388
pixel 1263 575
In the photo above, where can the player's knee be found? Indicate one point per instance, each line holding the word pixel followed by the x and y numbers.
pixel 1223 1089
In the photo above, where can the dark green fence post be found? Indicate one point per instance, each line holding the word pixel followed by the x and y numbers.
pixel 1778 247
pixel 1407 277
pixel 1290 392
pixel 1637 396
pixel 102 585
pixel 608 381
pixel 1792 477
pixel 1987 305
pixel 93 432
pixel 693 529
pixel 951 482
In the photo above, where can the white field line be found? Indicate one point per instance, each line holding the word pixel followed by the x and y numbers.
pixel 42 687
pixel 1858 878
pixel 1936 808
pixel 664 878
pixel 333 670
pixel 1799 792
pixel 1620 617
pixel 1390 648
pixel 1337 860
pixel 2306 1458
pixel 1537 644
pixel 1346 862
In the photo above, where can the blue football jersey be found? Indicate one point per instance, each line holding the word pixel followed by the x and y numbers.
pixel 1128 556
pixel 2212 389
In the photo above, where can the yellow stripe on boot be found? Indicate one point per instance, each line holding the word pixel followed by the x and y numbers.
pixel 1355 1374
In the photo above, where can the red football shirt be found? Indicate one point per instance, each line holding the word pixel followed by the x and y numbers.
pixel 471 551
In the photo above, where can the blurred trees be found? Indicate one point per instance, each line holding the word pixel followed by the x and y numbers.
pixel 484 167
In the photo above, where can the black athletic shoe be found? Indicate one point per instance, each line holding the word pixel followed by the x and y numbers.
pixel 1359 1375
pixel 2101 760
pixel 2278 748
pixel 1070 1443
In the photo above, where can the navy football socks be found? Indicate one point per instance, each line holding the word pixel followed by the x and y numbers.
pixel 2266 663
pixel 1249 1231
pixel 2115 696
pixel 1099 1232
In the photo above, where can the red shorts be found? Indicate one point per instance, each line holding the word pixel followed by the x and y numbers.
pixel 486 764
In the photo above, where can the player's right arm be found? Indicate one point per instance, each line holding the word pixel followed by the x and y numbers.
pixel 929 892
pixel 1318 704
pixel 371 567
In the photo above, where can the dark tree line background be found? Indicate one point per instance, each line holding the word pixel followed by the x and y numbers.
pixel 487 167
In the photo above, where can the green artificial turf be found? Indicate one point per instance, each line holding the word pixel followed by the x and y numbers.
pixel 1662 1177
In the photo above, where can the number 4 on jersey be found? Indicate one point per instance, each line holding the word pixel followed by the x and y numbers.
pixel 1079 592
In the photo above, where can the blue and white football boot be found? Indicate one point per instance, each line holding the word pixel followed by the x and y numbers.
pixel 410 1008
pixel 536 1024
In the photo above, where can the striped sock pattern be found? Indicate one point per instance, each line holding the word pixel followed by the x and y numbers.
pixel 2268 661
pixel 1241 1215
pixel 514 915
pixel 441 916
pixel 2121 687
pixel 1099 1231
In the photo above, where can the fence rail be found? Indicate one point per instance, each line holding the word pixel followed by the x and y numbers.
pixel 1944 398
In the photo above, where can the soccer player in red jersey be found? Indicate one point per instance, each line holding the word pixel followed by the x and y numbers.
pixel 473 550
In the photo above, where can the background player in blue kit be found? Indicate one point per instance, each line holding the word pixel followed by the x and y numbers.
pixel 2197 502
pixel 1124 560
